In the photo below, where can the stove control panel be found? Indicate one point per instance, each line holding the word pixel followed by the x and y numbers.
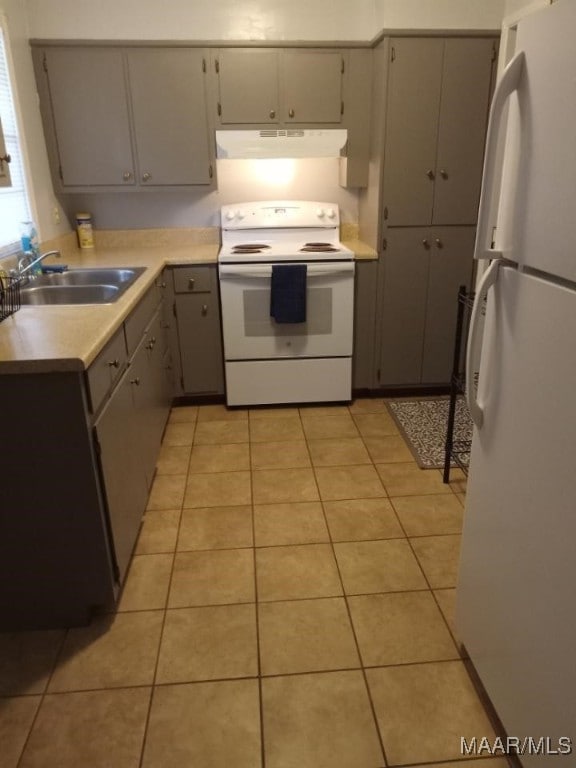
pixel 279 214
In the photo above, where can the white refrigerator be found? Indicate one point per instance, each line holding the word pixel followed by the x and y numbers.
pixel 516 596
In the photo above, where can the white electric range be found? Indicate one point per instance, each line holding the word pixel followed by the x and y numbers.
pixel 267 361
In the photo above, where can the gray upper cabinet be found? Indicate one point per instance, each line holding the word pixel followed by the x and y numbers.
pixel 248 86
pixel 415 81
pixel 438 98
pixel 466 82
pixel 312 86
pixel 131 118
pixel 279 86
pixel 169 109
pixel 90 112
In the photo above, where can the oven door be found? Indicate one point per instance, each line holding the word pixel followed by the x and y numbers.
pixel 251 334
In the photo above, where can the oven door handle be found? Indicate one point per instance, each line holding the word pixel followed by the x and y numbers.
pixel 227 271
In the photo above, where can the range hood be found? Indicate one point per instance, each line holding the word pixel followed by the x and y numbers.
pixel 273 143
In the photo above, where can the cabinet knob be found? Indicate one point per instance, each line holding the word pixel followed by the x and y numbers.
pixel 425 243
pixel 135 381
pixel 127 175
pixel 204 309
pixel 272 114
pixel 444 174
pixel 114 363
pixel 291 113
pixel 430 174
pixel 191 282
pixel 439 243
pixel 146 176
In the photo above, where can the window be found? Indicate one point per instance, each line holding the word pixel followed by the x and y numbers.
pixel 14 205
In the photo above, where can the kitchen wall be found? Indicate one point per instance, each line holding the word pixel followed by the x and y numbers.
pixel 439 14
pixel 211 20
pixel 204 19
pixel 238 181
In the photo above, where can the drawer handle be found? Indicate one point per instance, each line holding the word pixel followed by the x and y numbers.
pixel 444 174
pixel 151 343
pixel 114 363
pixel 127 175
pixel 135 381
pixel 191 282
pixel 439 243
pixel 146 176
pixel 425 243
pixel 430 175
pixel 291 113
pixel 204 309
pixel 272 114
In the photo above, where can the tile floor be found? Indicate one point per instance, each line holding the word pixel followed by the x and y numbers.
pixel 289 605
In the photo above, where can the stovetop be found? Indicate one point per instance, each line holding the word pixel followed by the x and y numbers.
pixel 281 231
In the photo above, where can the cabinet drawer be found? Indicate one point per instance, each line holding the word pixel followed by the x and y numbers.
pixel 136 323
pixel 193 279
pixel 106 369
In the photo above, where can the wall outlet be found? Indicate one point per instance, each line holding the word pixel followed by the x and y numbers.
pixel 56 214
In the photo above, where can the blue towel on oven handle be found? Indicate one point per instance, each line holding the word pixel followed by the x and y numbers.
pixel 288 293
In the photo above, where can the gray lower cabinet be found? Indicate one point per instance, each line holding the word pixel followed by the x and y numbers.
pixel 128 433
pixel 365 295
pixel 421 271
pixel 197 310
pixel 125 485
pixel 79 463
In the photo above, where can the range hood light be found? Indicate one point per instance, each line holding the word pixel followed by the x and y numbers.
pixel 268 144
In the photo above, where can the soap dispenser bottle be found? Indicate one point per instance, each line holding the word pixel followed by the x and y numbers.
pixel 29 244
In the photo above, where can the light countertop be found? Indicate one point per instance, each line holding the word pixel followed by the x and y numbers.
pixel 51 338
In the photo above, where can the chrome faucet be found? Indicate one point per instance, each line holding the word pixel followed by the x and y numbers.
pixel 24 264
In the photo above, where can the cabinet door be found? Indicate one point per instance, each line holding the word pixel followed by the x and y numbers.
pixel 88 93
pixel 200 338
pixel 151 399
pixel 124 481
pixel 415 79
pixel 364 324
pixel 248 86
pixel 451 266
pixel 312 86
pixel 170 117
pixel 403 305
pixel 466 77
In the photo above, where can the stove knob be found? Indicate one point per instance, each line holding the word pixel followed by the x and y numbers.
pixel 320 212
pixel 331 213
pixel 230 215
pixel 240 215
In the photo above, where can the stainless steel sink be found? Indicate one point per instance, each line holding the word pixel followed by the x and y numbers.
pixel 80 286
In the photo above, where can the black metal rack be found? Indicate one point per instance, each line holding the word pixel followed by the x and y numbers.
pixel 9 295
pixel 458 451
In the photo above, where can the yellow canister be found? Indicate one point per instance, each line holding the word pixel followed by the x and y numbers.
pixel 84 230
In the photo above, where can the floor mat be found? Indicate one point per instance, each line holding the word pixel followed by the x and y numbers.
pixel 423 425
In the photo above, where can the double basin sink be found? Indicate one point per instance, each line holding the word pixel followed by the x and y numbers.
pixel 101 285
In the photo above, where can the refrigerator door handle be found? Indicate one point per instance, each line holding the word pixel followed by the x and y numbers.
pixel 504 89
pixel 488 279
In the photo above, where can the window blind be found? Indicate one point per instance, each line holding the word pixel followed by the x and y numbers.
pixel 14 205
